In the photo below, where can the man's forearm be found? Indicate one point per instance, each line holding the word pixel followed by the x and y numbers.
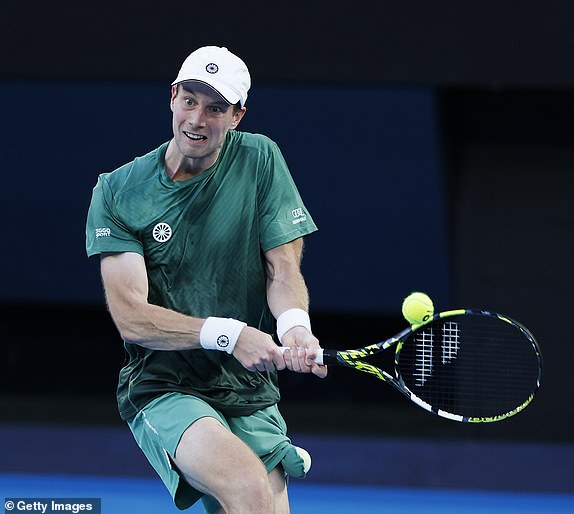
pixel 287 291
pixel 158 328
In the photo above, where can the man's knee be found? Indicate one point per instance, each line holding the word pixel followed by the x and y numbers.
pixel 254 492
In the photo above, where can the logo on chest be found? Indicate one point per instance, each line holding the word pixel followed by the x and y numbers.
pixel 162 232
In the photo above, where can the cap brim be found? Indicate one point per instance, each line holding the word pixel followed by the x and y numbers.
pixel 224 91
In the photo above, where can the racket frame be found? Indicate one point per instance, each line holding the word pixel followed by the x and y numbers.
pixel 352 359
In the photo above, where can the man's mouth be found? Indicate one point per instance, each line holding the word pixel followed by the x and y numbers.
pixel 194 137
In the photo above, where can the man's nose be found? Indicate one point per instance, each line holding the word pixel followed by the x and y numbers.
pixel 197 117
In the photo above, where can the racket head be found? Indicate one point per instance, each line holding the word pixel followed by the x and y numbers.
pixel 469 366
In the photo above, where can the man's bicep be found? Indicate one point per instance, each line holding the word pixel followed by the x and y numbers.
pixel 124 277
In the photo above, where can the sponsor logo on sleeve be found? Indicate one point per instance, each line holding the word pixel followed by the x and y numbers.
pixel 298 215
pixel 103 232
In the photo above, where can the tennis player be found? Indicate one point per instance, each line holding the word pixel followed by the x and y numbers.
pixel 200 243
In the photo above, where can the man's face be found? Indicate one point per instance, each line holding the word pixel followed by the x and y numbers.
pixel 201 120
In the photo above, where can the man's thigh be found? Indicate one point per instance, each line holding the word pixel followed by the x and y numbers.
pixel 213 459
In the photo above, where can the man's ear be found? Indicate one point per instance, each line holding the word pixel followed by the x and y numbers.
pixel 174 90
pixel 238 116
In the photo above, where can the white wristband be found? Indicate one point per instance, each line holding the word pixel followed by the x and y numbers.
pixel 220 334
pixel 292 318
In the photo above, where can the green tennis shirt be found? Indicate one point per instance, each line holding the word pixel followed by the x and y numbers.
pixel 203 241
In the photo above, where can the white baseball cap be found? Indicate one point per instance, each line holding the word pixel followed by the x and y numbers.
pixel 220 69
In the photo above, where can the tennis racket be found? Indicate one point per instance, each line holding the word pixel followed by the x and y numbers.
pixel 465 365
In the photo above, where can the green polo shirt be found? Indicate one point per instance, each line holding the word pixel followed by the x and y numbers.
pixel 203 241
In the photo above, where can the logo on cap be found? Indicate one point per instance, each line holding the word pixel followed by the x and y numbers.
pixel 212 68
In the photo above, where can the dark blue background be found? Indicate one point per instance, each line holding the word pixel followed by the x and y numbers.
pixel 367 162
pixel 442 129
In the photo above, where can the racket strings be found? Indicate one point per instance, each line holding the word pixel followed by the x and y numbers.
pixel 450 341
pixel 424 358
pixel 470 369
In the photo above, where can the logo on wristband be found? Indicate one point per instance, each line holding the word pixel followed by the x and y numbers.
pixel 223 341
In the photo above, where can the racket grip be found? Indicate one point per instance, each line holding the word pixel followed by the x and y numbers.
pixel 318 359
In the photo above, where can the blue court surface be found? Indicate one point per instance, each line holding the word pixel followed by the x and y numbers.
pixel 349 474
pixel 121 495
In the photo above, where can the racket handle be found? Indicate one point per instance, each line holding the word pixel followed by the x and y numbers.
pixel 318 360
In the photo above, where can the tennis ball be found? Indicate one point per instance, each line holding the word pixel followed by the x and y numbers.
pixel 417 308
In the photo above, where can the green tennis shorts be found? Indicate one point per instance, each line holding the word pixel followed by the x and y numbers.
pixel 159 426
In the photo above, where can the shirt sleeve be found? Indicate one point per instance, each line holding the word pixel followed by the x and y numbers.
pixel 282 215
pixel 105 231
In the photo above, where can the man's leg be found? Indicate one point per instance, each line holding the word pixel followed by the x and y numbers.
pixel 278 483
pixel 215 461
pixel 279 488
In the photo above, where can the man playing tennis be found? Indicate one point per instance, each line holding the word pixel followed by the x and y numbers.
pixel 200 243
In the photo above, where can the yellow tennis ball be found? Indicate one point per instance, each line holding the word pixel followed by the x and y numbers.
pixel 417 308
